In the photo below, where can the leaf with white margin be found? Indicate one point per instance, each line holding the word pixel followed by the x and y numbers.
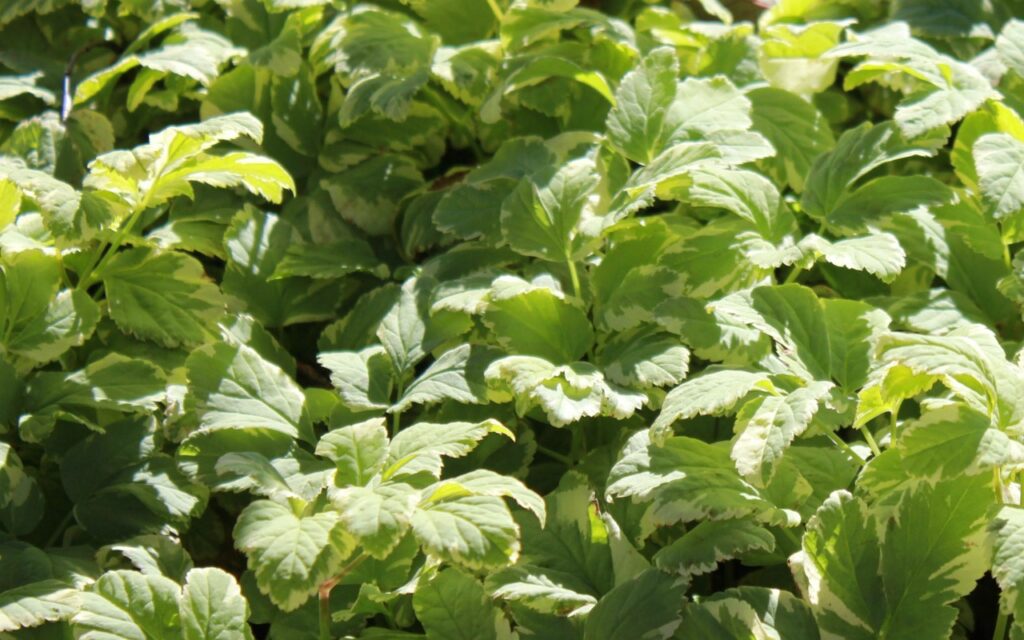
pixel 476 532
pixel 362 378
pixel 421 447
pixel 686 479
pixel 234 387
pixel 484 482
pixel 457 374
pixel 645 359
pixel 768 424
pixel 36 603
pixel 378 516
pixel 213 607
pixel 358 451
pixel 699 550
pixel 290 554
pixel 716 391
pixel 454 606
pixel 540 592
pixel 566 393
pixel 129 605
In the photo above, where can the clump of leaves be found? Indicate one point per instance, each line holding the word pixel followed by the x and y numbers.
pixel 495 319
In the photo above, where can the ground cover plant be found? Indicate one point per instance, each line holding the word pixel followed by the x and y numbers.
pixel 495 319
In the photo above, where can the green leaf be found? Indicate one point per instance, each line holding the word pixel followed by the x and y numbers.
pixel 162 296
pixel 795 128
pixel 857 152
pixel 112 382
pixel 457 374
pixel 476 532
pixel 403 329
pixel 540 592
pixel 472 208
pixel 701 548
pixel 686 479
pixel 331 260
pixel 819 339
pixel 213 607
pixel 1010 45
pixel 35 603
pixel 153 173
pixel 374 211
pixel 57 201
pixel 636 125
pixel 566 393
pixel 38 322
pixel 648 606
pixel 957 360
pixel 999 158
pixel 358 451
pixel 953 440
pixel 233 387
pixel 362 378
pixel 420 447
pixel 645 359
pixel 537 320
pixel 1007 534
pixel 745 193
pixel 290 555
pixel 378 516
pixel 259 175
pixel 714 392
pixel 793 55
pixel 454 606
pixel 10 202
pixel 767 425
pixel 544 216
pixel 484 482
pixel 930 554
pixel 128 604
pixel 255 473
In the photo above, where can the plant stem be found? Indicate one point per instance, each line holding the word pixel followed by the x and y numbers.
pixel 871 441
pixel 496 10
pixel 324 595
pixel 325 614
pixel 101 258
pixel 893 423
pixel 1001 621
pixel 59 529
pixel 844 447
pixel 396 417
pixel 788 533
pixel 554 455
pixel 574 276
pixel 793 275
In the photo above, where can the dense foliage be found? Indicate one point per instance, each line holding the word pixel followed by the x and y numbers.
pixel 494 319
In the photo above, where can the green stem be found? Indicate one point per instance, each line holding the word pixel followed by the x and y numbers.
pixel 574 276
pixel 1001 622
pixel 498 13
pixel 325 614
pixel 102 257
pixel 63 271
pixel 396 417
pixel 793 275
pixel 59 529
pixel 894 423
pixel 788 533
pixel 554 455
pixel 578 448
pixel 843 446
pixel 871 441
pixel 324 594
